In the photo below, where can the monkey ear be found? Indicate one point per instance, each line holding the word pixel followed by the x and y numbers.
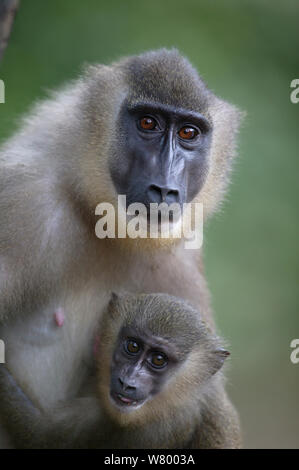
pixel 114 297
pixel 221 355
pixel 113 305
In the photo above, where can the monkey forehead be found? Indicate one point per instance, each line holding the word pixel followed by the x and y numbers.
pixel 165 76
pixel 163 316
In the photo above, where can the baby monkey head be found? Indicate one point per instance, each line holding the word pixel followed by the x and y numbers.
pixel 154 353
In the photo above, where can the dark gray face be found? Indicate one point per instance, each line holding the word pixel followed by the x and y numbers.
pixel 162 155
pixel 140 366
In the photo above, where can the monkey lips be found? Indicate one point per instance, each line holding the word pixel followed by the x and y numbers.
pixel 121 401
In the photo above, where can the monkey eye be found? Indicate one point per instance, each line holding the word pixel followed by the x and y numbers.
pixel 158 360
pixel 188 133
pixel 148 123
pixel 132 347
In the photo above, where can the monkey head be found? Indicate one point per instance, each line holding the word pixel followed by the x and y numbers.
pixel 167 137
pixel 154 354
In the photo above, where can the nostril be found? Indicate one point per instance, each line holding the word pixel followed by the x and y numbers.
pixel 155 193
pixel 158 194
pixel 129 387
pixel 171 196
pixel 125 385
pixel 172 191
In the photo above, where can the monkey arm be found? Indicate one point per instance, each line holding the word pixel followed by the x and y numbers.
pixel 72 424
pixel 219 426
pixel 18 413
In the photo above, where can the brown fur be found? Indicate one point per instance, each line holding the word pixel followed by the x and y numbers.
pixel 53 173
pixel 187 413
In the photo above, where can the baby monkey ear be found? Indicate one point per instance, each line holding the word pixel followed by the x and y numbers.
pixel 114 297
pixel 113 305
pixel 221 355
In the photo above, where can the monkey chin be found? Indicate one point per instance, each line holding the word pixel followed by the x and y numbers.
pixel 150 244
pixel 145 243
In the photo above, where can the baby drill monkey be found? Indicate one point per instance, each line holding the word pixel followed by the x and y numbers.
pixel 157 384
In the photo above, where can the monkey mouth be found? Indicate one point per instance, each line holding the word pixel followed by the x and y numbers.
pixel 124 402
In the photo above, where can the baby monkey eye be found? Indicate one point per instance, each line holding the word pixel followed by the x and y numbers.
pixel 188 133
pixel 132 347
pixel 158 360
pixel 148 123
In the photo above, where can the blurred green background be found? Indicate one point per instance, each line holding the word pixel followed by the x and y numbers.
pixel 248 52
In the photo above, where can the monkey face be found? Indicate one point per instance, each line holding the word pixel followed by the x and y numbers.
pixel 154 351
pixel 140 366
pixel 163 153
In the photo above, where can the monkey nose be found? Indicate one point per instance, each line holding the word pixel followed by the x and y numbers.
pixel 125 385
pixel 160 194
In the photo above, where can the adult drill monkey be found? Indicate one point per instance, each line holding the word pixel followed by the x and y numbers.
pixel 157 383
pixel 146 126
